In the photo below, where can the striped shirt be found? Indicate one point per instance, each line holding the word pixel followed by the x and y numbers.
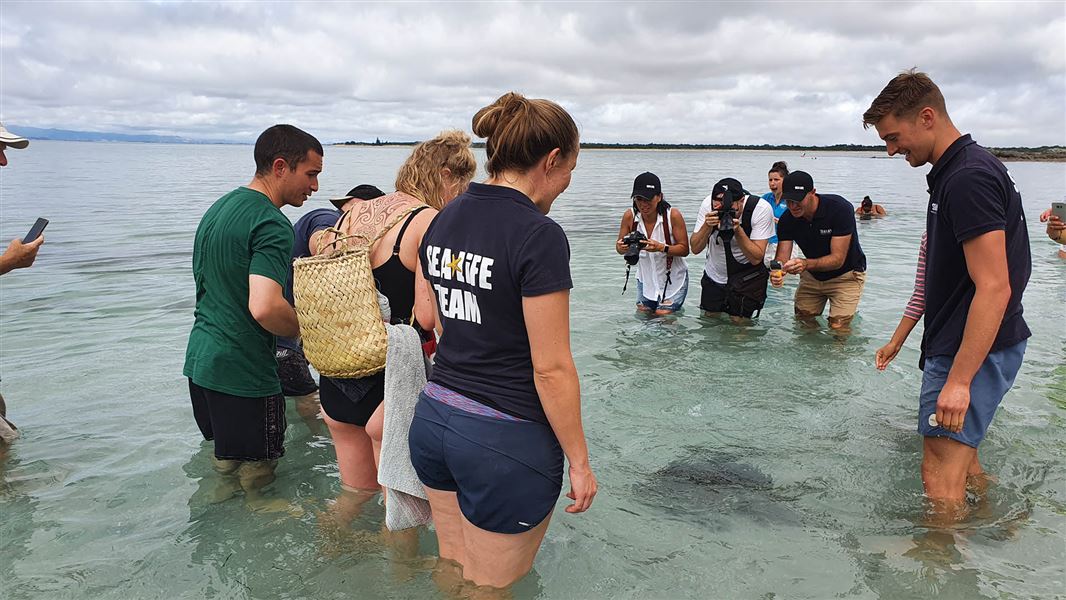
pixel 916 305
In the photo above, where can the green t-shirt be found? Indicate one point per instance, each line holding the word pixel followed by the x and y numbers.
pixel 241 234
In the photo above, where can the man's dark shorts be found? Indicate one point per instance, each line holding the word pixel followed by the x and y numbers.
pixel 295 376
pixel 713 299
pixel 242 428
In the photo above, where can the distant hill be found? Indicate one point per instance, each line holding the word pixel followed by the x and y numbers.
pixel 67 135
pixel 1042 153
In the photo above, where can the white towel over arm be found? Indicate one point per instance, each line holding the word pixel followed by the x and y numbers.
pixel 405 376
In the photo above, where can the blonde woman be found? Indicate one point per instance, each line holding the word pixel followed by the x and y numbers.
pixel 437 171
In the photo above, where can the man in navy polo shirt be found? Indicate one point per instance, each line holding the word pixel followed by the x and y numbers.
pixel 977 266
pixel 295 376
pixel 834 269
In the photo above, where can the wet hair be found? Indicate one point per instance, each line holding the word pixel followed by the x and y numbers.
pixel 780 167
pixel 907 93
pixel 420 174
pixel 286 142
pixel 519 131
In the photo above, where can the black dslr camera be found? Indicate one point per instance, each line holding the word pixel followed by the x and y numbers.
pixel 726 218
pixel 633 240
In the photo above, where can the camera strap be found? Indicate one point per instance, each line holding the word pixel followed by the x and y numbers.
pixel 668 241
pixel 664 212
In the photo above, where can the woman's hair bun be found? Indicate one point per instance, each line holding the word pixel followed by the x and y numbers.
pixel 487 121
pixel 518 131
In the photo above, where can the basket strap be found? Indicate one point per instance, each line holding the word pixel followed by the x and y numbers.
pixel 338 233
pixel 392 223
pixel 343 238
pixel 338 230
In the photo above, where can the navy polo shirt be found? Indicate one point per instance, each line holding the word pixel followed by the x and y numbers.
pixel 970 194
pixel 316 220
pixel 486 251
pixel 834 217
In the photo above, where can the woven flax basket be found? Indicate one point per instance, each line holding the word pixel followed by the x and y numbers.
pixel 337 306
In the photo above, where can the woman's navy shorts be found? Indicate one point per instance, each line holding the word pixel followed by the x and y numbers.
pixel 507 474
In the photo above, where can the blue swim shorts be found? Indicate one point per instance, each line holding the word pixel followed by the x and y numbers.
pixel 507 472
pixel 672 304
pixel 993 380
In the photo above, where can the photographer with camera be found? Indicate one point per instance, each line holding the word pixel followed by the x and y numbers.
pixel 662 275
pixel 735 227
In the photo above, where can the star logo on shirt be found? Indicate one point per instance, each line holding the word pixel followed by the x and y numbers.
pixel 456 265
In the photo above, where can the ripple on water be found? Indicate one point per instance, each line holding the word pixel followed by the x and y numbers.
pixel 795 463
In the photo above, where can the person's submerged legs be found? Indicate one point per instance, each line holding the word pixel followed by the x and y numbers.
pixel 950 463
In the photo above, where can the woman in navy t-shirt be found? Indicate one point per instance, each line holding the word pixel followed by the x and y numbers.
pixel 503 405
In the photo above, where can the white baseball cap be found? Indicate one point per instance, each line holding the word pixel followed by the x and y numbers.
pixel 12 140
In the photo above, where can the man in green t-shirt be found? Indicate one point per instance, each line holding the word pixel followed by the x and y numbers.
pixel 240 263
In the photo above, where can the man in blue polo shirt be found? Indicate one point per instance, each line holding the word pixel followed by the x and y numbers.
pixel 834 269
pixel 295 376
pixel 977 267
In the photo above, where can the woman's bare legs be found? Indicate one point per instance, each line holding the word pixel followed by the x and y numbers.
pixel 355 455
pixel 487 558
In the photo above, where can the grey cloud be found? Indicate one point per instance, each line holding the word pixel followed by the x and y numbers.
pixel 670 72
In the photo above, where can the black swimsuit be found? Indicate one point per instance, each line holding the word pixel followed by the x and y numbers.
pixel 352 401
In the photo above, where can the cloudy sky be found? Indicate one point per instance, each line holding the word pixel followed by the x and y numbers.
pixel 736 72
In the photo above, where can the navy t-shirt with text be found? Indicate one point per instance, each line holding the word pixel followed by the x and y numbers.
pixel 486 251
pixel 834 217
pixel 970 194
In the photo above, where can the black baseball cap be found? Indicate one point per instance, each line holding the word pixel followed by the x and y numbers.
pixel 363 191
pixel 647 186
pixel 796 185
pixel 729 189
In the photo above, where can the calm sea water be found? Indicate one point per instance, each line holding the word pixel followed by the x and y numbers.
pixel 765 461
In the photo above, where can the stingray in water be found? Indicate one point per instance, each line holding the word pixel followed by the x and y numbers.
pixel 705 483
pixel 715 470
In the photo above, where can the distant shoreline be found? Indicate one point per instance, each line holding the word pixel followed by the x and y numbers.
pixel 1006 154
pixel 1010 154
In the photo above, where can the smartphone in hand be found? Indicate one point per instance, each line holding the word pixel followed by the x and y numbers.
pixel 36 230
pixel 1058 209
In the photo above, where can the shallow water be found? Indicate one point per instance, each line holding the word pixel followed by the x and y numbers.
pixel 757 462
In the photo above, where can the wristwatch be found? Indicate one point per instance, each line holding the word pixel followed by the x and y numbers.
pixel 666 249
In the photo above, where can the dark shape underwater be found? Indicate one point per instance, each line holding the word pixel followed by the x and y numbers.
pixel 716 487
pixel 714 469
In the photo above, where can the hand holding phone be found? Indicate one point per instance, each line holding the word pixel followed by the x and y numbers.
pixel 1056 229
pixel 21 253
pixel 35 231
